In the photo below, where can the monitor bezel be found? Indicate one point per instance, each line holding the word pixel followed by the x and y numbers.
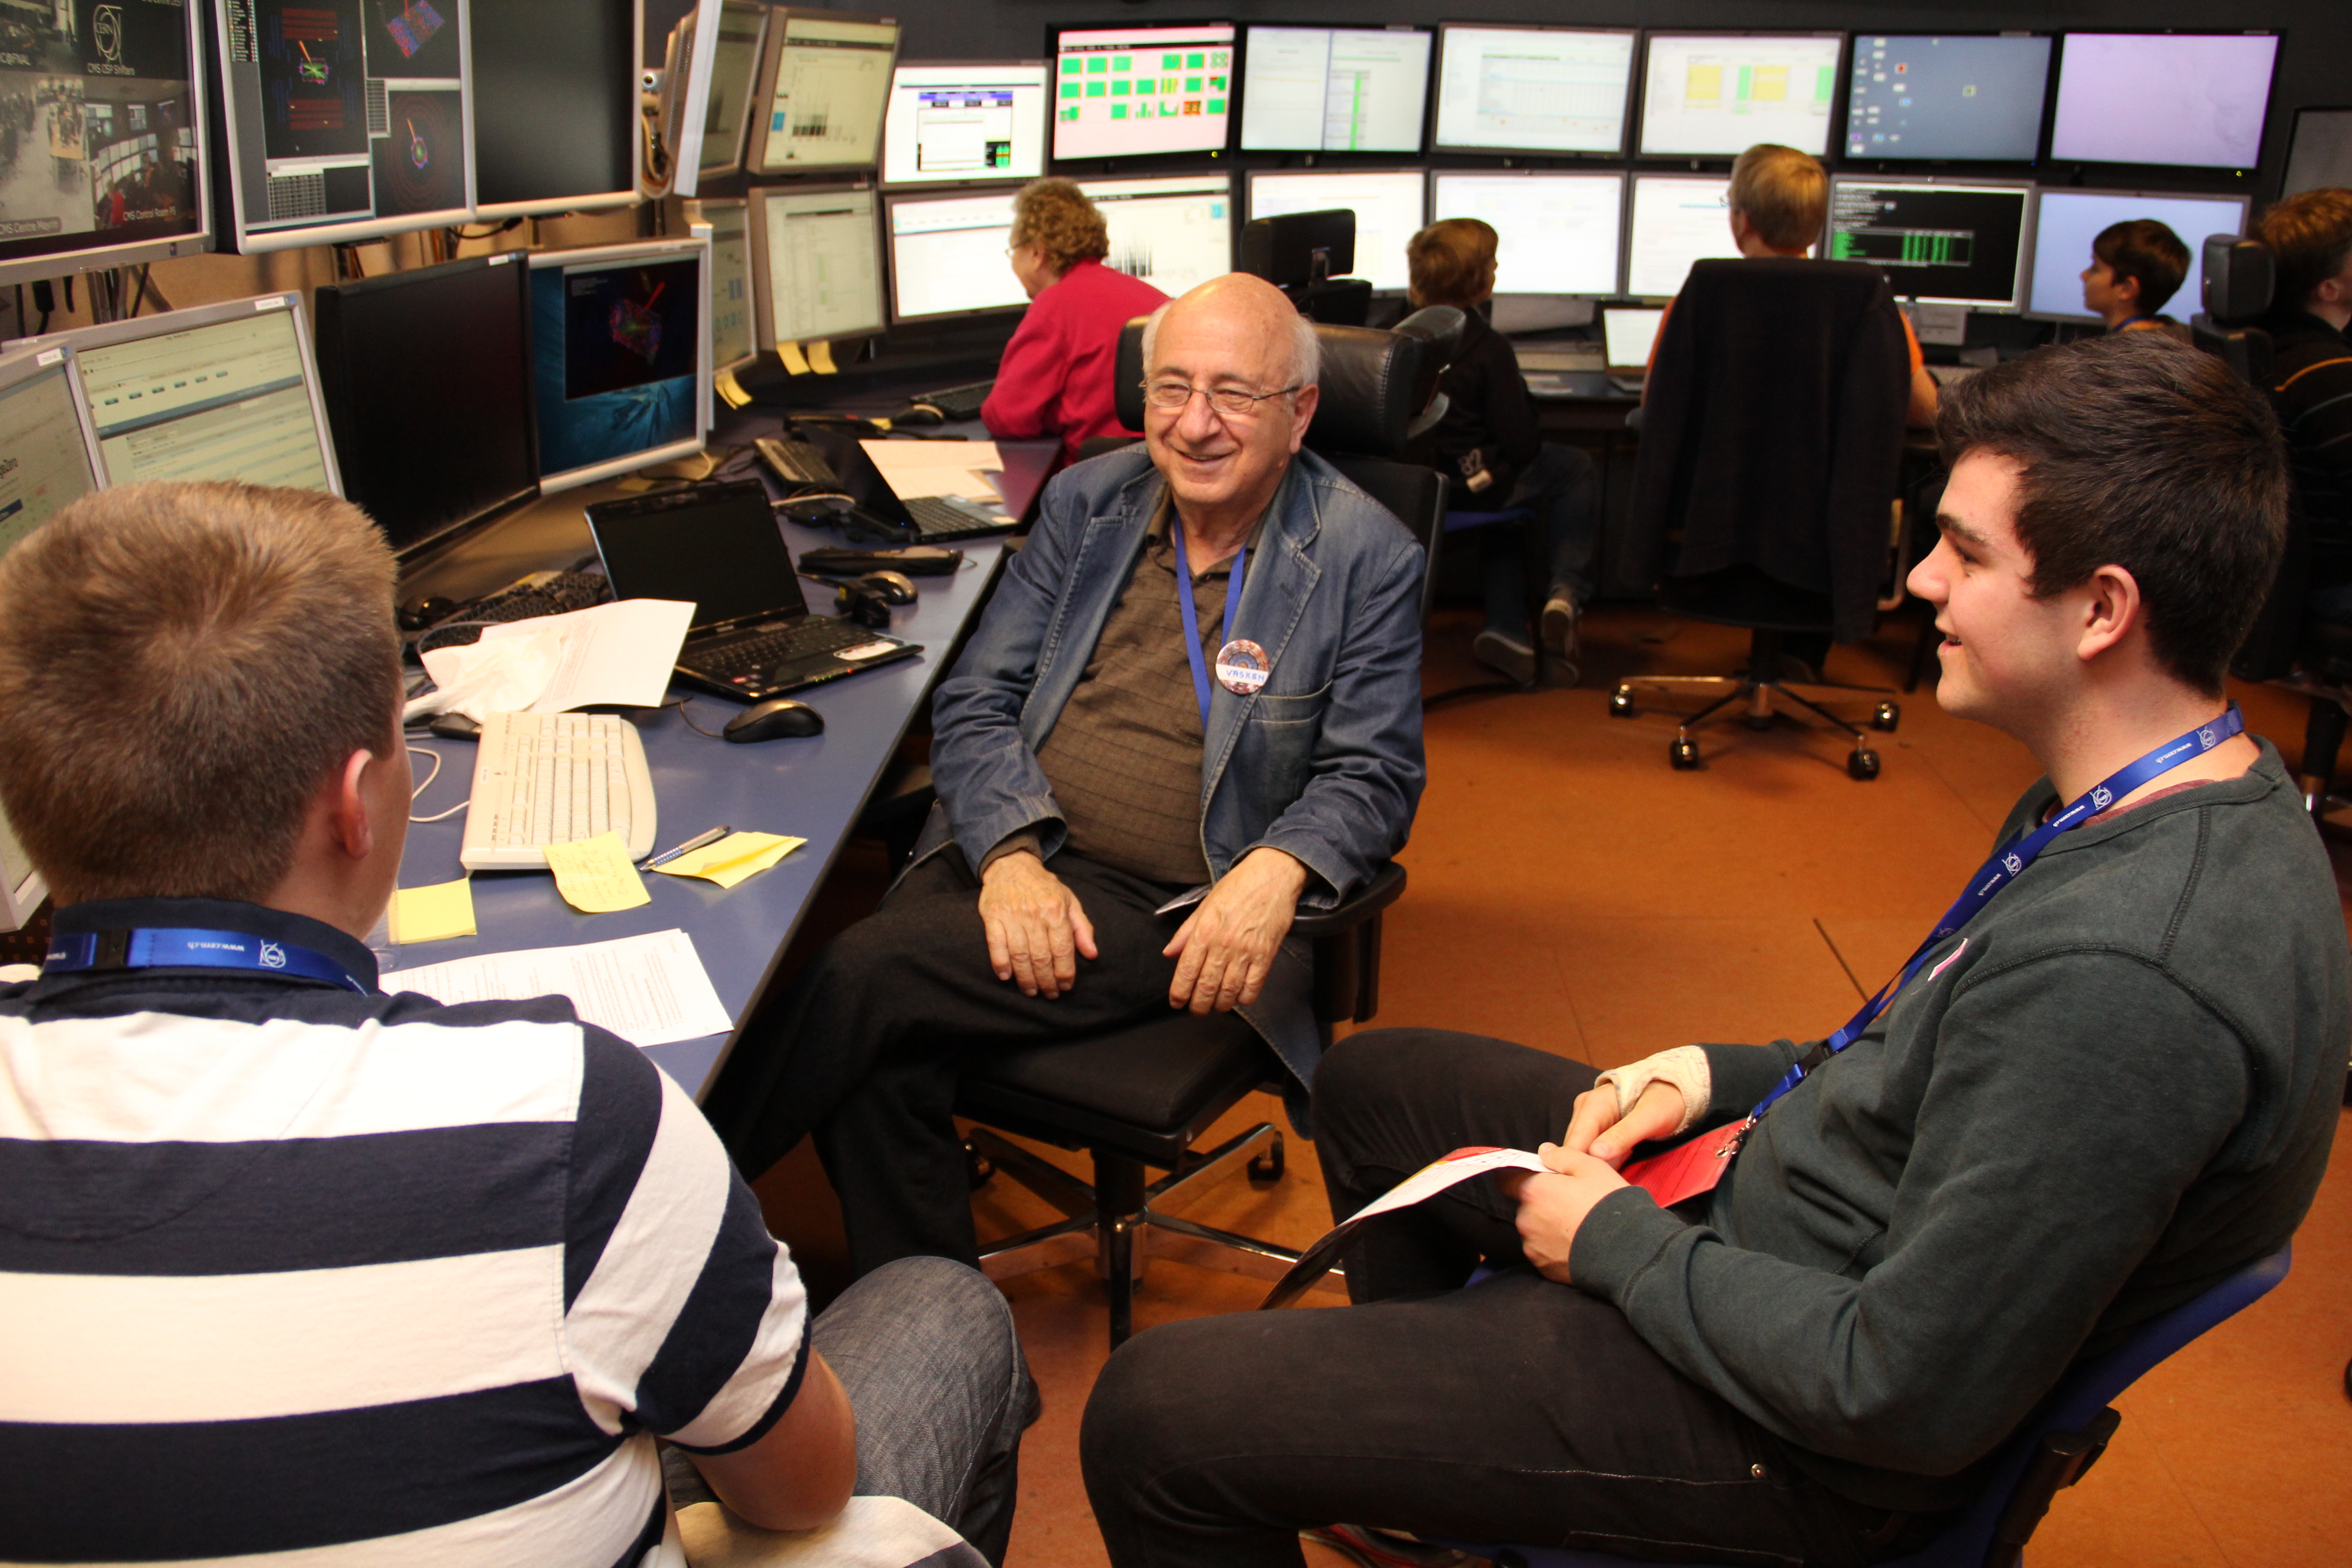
pixel 1624 176
pixel 545 207
pixel 698 217
pixel 2019 284
pixel 1833 137
pixel 2083 317
pixel 755 225
pixel 1635 55
pixel 1108 165
pixel 763 91
pixel 107 334
pixel 1250 213
pixel 978 182
pixel 235 237
pixel 1625 294
pixel 79 259
pixel 1240 114
pixel 2042 121
pixel 1232 229
pixel 2058 88
pixel 613 468
pixel 888 203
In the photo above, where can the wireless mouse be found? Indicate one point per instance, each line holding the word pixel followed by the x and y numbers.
pixel 773 721
pixel 896 587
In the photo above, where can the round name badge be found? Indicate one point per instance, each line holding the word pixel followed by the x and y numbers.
pixel 1242 667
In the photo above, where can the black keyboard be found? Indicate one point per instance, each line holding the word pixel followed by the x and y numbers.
pixel 758 653
pixel 540 594
pixel 796 462
pixel 936 516
pixel 957 402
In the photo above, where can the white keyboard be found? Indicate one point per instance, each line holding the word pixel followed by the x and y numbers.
pixel 550 778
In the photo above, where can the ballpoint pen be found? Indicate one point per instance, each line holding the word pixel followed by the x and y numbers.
pixel 689 847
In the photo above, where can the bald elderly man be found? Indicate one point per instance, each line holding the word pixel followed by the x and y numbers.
pixel 1192 708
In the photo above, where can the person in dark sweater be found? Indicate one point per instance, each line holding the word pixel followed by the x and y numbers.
pixel 1488 444
pixel 2309 235
pixel 2093 1098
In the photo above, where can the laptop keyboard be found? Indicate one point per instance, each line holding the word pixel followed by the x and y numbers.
pixel 937 517
pixel 750 660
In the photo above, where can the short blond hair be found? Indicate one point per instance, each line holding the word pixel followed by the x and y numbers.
pixel 1056 216
pixel 1450 262
pixel 182 667
pixel 1784 194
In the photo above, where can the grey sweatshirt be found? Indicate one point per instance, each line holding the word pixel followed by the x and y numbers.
pixel 2112 1088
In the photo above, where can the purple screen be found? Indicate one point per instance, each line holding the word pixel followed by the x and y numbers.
pixel 2132 98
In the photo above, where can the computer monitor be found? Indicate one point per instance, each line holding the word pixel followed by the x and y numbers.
pixel 2194 100
pixel 816 263
pixel 1715 95
pixel 966 122
pixel 1629 335
pixel 556 106
pixel 344 119
pixel 1333 90
pixel 741 30
pixel 110 167
pixel 1126 92
pixel 726 224
pixel 1533 89
pixel 947 256
pixel 2320 155
pixel 425 447
pixel 48 458
pixel 824 76
pixel 1676 219
pixel 214 392
pixel 1388 204
pixel 1557 232
pixel 1964 98
pixel 621 357
pixel 1175 232
pixel 2065 222
pixel 1940 242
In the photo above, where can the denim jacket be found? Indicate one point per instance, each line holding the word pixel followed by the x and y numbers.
pixel 1325 763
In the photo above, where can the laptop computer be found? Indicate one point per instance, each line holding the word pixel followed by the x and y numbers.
pixel 752 636
pixel 937 520
pixel 1628 332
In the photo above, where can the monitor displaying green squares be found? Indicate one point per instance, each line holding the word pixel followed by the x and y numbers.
pixel 1127 92
pixel 1717 95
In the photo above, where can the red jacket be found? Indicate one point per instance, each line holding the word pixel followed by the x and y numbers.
pixel 1054 379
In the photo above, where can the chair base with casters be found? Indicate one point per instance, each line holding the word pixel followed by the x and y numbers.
pixel 2057 1448
pixel 1141 1099
pixel 1772 611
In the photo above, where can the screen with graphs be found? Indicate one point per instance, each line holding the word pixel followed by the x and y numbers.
pixel 1122 92
pixel 1940 242
pixel 1719 96
pixel 826 82
pixel 1173 233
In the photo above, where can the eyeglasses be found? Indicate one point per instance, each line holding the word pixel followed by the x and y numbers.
pixel 1170 396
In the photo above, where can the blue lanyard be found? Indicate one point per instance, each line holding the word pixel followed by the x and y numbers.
pixel 1191 617
pixel 2004 868
pixel 186 948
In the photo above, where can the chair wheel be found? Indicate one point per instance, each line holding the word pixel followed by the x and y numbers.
pixel 1621 704
pixel 1682 754
pixel 1861 763
pixel 1265 1167
pixel 1885 716
pixel 978 1168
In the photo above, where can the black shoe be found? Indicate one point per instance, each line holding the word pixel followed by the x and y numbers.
pixel 1507 655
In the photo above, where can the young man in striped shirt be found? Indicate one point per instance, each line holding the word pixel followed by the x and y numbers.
pixel 293 1270
pixel 2310 235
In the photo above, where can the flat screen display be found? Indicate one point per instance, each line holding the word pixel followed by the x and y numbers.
pixel 2321 153
pixel 1629 335
pixel 1946 243
pixel 1676 220
pixel 734 66
pixel 732 340
pixel 1533 89
pixel 2192 99
pixel 819 264
pixel 1921 96
pixel 826 82
pixel 1175 232
pixel 947 256
pixel 1556 233
pixel 2066 222
pixel 1387 206
pixel 555 123
pixel 1333 90
pixel 965 121
pixel 1716 96
pixel 1126 92
pixel 617 349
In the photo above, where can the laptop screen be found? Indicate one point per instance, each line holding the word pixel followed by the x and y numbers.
pixel 719 546
pixel 1629 332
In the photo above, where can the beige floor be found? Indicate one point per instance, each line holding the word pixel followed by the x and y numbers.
pixel 1570 891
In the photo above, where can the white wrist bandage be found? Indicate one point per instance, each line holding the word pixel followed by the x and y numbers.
pixel 1684 1066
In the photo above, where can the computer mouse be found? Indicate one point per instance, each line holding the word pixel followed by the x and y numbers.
pixel 896 587
pixel 920 414
pixel 773 721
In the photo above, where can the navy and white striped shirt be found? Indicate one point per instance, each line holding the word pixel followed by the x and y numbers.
pixel 296 1275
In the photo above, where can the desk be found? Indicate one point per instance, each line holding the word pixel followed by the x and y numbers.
pixel 810 789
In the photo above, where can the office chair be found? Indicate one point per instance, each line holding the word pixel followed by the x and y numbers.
pixel 2056 1449
pixel 1770 460
pixel 1308 255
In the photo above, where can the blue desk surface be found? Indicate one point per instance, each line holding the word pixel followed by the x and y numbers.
pixel 810 789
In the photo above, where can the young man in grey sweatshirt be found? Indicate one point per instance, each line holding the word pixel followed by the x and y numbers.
pixel 2098 1092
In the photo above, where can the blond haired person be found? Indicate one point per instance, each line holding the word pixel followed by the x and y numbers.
pixel 1055 376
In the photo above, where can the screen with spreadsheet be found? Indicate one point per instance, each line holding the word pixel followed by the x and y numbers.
pixel 1125 92
pixel 2187 98
pixel 1676 220
pixel 620 351
pixel 947 256
pixel 1940 242
pixel 1174 232
pixel 1556 233
pixel 1387 206
pixel 817 264
pixel 1533 89
pixel 1333 90
pixel 1716 96
pixel 1920 96
pixel 974 120
pixel 823 85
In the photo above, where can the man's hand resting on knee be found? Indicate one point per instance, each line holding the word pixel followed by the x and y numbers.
pixel 1036 930
pixel 1582 1169
pixel 1226 948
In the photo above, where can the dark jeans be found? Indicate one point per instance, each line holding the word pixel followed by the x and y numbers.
pixel 1562 486
pixel 1516 1410
pixel 867 1047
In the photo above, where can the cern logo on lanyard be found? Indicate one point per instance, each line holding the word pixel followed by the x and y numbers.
pixel 2101 798
pixel 272 956
pixel 2206 738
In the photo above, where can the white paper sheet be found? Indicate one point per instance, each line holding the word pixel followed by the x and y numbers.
pixel 937 468
pixel 650 990
pixel 619 654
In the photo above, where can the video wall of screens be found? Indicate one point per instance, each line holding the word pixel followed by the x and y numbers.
pixel 965 120
pixel 2066 223
pixel 1126 92
pixel 2189 100
pixel 1533 89
pixel 1940 242
pixel 621 357
pixel 816 263
pixel 817 102
pixel 344 119
pixel 102 137
pixel 1556 233
pixel 1333 90
pixel 1718 94
pixel 1175 232
pixel 1387 203
pixel 1964 99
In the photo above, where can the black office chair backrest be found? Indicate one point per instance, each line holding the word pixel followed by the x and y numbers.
pixel 1774 437
pixel 2240 277
pixel 1298 248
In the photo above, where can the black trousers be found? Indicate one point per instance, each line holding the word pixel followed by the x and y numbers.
pixel 1516 1410
pixel 867 1047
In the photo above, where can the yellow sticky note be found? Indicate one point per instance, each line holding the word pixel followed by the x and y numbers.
pixel 794 360
pixel 431 914
pixel 594 875
pixel 734 858
pixel 730 389
pixel 821 356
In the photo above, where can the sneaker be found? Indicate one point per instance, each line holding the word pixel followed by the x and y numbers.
pixel 1370 1548
pixel 1559 616
pixel 1512 658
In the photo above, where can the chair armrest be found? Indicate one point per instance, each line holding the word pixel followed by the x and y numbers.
pixel 1347 949
pixel 1386 886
